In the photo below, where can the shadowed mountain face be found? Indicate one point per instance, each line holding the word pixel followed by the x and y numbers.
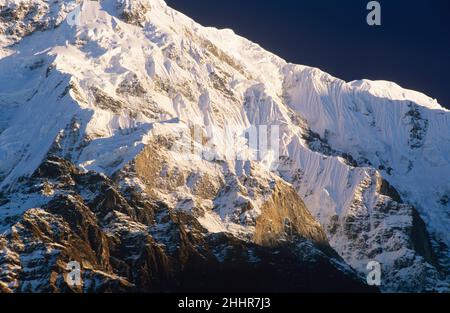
pixel 126 242
pixel 126 146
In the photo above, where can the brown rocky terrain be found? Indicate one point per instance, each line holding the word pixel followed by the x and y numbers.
pixel 127 242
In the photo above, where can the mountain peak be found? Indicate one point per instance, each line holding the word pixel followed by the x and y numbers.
pixel 133 98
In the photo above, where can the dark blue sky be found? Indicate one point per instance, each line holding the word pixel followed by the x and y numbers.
pixel 412 47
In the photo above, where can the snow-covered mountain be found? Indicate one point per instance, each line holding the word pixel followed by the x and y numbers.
pixel 123 131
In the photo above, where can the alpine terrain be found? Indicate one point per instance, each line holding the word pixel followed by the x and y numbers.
pixel 126 134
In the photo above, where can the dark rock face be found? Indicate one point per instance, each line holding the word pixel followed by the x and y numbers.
pixel 387 190
pixel 126 242
pixel 419 126
pixel 421 239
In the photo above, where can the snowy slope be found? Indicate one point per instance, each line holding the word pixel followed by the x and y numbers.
pixel 127 73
